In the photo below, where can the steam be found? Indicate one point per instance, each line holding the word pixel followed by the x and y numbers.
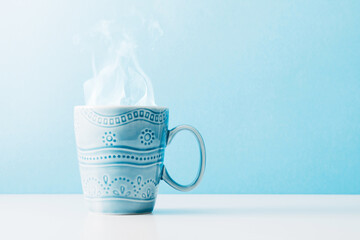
pixel 119 79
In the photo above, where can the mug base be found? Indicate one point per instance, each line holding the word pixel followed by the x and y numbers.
pixel 120 206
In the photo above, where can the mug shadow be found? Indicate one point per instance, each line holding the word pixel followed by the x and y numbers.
pixel 258 210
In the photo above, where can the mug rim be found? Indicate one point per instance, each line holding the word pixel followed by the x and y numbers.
pixel 158 108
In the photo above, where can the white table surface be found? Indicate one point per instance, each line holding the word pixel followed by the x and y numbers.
pixel 185 216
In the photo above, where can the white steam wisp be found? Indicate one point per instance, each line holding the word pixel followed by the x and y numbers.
pixel 120 81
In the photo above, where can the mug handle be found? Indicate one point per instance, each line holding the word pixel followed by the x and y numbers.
pixel 165 175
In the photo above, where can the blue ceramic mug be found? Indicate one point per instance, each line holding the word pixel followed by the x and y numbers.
pixel 121 156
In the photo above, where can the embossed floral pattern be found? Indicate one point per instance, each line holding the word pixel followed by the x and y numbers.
pixel 109 138
pixel 147 136
pixel 122 187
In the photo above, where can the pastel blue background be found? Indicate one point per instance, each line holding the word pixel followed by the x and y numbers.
pixel 273 86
